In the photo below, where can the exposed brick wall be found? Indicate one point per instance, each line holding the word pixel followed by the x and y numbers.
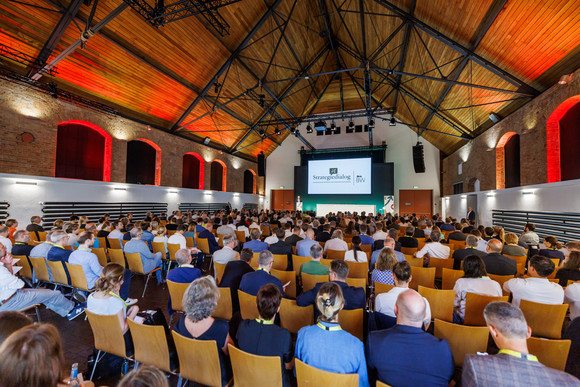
pixel 25 110
pixel 479 155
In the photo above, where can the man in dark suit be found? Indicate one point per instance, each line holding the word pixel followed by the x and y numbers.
pixel 456 235
pixel 471 214
pixel 354 298
pixel 324 235
pixel 418 232
pixel 281 247
pixel 513 365
pixel 185 273
pixel 471 249
pixel 498 264
pixel 21 246
pixel 405 354
pixel 408 240
pixel 295 237
pixel 233 274
pixel 252 282
pixel 206 234
pixel 468 229
pixel 447 226
pixel 394 234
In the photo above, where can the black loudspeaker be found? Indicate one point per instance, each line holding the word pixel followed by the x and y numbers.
pixel 261 164
pixel 418 160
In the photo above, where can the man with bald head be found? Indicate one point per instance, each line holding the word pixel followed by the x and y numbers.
pixel 498 264
pixel 405 355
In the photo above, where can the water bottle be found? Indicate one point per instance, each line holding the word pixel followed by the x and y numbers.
pixel 74 372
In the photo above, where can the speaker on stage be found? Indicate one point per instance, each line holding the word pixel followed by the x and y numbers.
pixel 418 160
pixel 261 164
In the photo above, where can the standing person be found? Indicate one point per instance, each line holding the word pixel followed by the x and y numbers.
pixel 470 214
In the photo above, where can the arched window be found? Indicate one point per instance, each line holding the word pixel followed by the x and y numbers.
pixel 193 171
pixel 249 181
pixel 473 185
pixel 218 176
pixel 143 162
pixel 563 139
pixel 507 161
pixel 83 151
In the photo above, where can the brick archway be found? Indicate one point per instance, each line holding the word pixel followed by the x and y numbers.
pixel 553 138
pixel 500 160
pixel 189 161
pixel 224 175
pixel 157 158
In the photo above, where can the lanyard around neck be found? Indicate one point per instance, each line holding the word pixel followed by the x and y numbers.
pixel 116 296
pixel 265 322
pixel 333 328
pixel 519 355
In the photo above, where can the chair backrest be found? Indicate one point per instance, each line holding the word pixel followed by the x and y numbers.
pixel 474 305
pixel 439 264
pixel 42 236
pixel 357 282
pixel 40 269
pixel 457 245
pixel 500 279
pixel 176 292
pixel 308 376
pixel 248 307
pixel 159 247
pixel 335 254
pixel 294 317
pixel 265 230
pixel 150 344
pixel 107 333
pixel 463 340
pixel 358 269
pixel 135 263
pixel 57 270
pixel 326 262
pixel 173 247
pixel 115 243
pixel 297 261
pixel 221 240
pixel 117 256
pixel 26 270
pixel 309 281
pixel 352 321
pixel 545 320
pixel 254 261
pixel 33 236
pixel 280 262
pixel 421 242
pixel 381 384
pixel 285 277
pixel 415 262
pixel 409 250
pixel 224 306
pixel 253 370
pixel 241 235
pixel 382 288
pixel 100 253
pixel 203 245
pixel 424 276
pixel 189 241
pixel 219 270
pixel 204 367
pixel 102 242
pixel 440 302
pixel 449 277
pixel 551 353
pixel 124 242
pixel 77 276
pixel 520 262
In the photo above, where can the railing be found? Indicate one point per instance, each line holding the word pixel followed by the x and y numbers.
pixel 185 207
pixel 563 225
pixel 94 210
pixel 4 210
pixel 250 206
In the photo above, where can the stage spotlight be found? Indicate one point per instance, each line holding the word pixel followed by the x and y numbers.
pixel 292 130
pixel 261 101
pixel 372 123
pixel 206 140
pixel 332 126
pixel 262 133
pixel 216 87
pixel 309 129
pixel 392 122
pixel 277 132
pixel 351 124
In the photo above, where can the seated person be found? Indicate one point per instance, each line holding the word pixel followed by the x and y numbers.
pixel 227 253
pixel 552 249
pixel 178 237
pixel 475 280
pixel 104 230
pixel 316 342
pixel 4 239
pixel 470 249
pixel 388 243
pixel 147 235
pixel 481 243
pixel 84 257
pixel 572 296
pixel 212 242
pixel 313 267
pixel 364 238
pixel 536 288
pixel 383 271
pixel 456 235
pixel 529 236
pixel 324 236
pixel 513 365
pixel 356 254
pixel 512 247
pixel 233 274
pixel 41 250
pixel 161 237
pixel 447 226
pixel 393 233
pixel 185 273
pixel 21 246
pixel 408 240
pixel 385 302
pixel 127 236
pixel 281 247
pixel 34 225
pixel 150 261
pixel 336 242
pixel 264 338
pixel 294 237
pixel 10 322
pixel 570 269
pixel 117 232
pixel 354 298
pixel 405 355
pixel 252 282
pixel 303 246
pixel 190 230
pixel 199 302
pixel 498 264
pixel 434 249
pixel 58 252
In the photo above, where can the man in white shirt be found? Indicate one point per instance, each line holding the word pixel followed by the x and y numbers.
pixel 536 288
pixel 179 239
pixel 380 235
pixel 117 233
pixel 481 243
pixel 434 249
pixel 4 232
pixel 385 302
pixel 227 253
pixel 255 223
pixel 287 229
pixel 225 229
pixel 336 242
pixel 272 238
pixel 572 296
pixel 245 229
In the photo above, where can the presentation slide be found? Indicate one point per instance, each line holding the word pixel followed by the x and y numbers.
pixel 339 177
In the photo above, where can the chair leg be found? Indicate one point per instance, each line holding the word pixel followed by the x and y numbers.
pixel 37 314
pixel 95 365
pixel 179 381
pixel 146 282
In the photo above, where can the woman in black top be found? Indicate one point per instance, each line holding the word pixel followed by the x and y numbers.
pixel 570 269
pixel 552 251
pixel 262 337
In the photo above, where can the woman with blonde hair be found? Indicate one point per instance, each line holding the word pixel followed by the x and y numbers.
pixel 499 233
pixel 383 271
pixel 144 376
pixel 161 236
pixel 512 247
pixel 325 345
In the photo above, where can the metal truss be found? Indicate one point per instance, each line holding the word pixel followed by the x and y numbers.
pixel 24 59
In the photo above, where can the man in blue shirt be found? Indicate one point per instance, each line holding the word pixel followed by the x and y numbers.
pixel 185 273
pixel 256 245
pixel 365 239
pixel 211 241
pixel 390 243
pixel 147 236
pixel 405 355
pixel 150 261
pixel 58 253
pixel 303 246
pixel 252 282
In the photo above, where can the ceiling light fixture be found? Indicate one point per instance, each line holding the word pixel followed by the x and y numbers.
pixel 392 121
pixel 351 124
pixel 309 128
pixel 565 79
pixel 372 123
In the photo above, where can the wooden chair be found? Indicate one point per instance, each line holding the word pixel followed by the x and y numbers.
pixel 409 250
pixel 308 376
pixel 297 261
pixel 36 243
pixel 421 242
pixel 190 242
pixel 463 340
pixel 58 274
pixel 220 240
pixel 136 267
pixel 335 254
pixel 254 261
pixel 253 370
pixel 309 281
pixel 241 235
pixel 545 320
pixel 520 261
pixel 358 269
pixel 42 236
pixel 280 261
pixel 439 264
pixel 33 236
pixel 449 277
pixel 115 243
pixel 224 306
pixel 219 270
pixel 294 317
pixel 77 277
pixel 457 245
pixel 159 247
pixel 36 313
pixel 326 262
pixel 415 262
pixel 108 336
pixel 173 248
pixel 440 302
pixel 501 279
pixel 176 292
pixel 100 253
pixel 556 263
pixel 382 288
pixel 150 344
pixel 26 270
pixel 357 282
pixel 203 245
pixel 285 277
pixel 424 276
pixel 248 307
pixel 265 230
pixel 40 269
pixel 381 384
pixel 204 367
pixel 117 256
pixel 551 353
pixel 570 282
pixel 474 306
pixel 170 233
pixel 352 322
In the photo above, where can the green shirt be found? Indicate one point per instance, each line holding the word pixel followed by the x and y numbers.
pixel 314 268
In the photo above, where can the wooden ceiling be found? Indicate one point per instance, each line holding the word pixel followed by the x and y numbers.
pixel 442 65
